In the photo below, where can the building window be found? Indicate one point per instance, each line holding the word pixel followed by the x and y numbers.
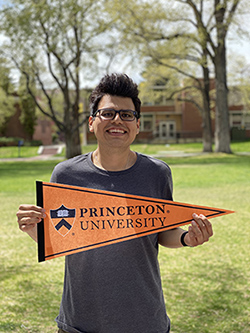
pixel 146 122
pixel 240 120
pixel 247 121
pixel 167 130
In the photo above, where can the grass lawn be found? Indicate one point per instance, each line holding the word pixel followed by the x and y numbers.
pixel 207 289
pixel 14 152
pixel 161 149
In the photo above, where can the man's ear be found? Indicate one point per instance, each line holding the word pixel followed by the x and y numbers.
pixel 91 120
pixel 138 126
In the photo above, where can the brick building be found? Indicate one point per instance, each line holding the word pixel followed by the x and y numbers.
pixel 43 129
pixel 168 123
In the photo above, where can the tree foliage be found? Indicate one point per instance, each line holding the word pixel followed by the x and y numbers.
pixel 239 78
pixel 193 32
pixel 51 42
pixel 212 24
pixel 28 109
pixel 7 100
pixel 169 48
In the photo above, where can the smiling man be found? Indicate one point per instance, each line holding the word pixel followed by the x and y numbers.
pixel 116 288
pixel 115 125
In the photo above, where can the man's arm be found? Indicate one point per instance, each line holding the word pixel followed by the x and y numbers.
pixel 27 217
pixel 198 233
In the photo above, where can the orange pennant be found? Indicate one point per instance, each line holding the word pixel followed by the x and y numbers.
pixel 80 219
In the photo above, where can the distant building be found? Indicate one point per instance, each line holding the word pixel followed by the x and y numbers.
pixel 43 129
pixel 182 122
pixel 171 122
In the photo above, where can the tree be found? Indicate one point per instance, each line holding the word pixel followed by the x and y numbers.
pixel 239 83
pixel 7 100
pixel 28 109
pixel 212 23
pixel 175 85
pixel 206 24
pixel 219 19
pixel 157 39
pixel 51 42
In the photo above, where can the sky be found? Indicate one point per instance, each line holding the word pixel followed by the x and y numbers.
pixel 238 47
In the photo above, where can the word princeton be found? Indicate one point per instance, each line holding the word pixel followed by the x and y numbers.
pixel 121 217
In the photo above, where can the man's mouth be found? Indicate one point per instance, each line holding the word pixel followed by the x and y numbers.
pixel 116 131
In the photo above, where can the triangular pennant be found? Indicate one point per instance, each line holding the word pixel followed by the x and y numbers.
pixel 80 219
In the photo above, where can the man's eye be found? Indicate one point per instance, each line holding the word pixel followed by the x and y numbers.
pixel 107 114
pixel 127 115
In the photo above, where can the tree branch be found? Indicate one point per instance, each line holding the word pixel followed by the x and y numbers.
pixel 27 76
pixel 231 14
pixel 182 90
pixel 159 62
pixel 191 101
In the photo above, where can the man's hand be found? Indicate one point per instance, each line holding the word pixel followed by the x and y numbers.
pixel 199 231
pixel 28 216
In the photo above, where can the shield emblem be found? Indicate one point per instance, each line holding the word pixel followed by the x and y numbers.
pixel 63 219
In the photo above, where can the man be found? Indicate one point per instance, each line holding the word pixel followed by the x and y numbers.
pixel 116 288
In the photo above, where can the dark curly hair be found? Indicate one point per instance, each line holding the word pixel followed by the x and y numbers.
pixel 115 85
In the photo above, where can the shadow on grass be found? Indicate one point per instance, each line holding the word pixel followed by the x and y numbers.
pixel 18 169
pixel 34 167
pixel 208 159
pixel 10 271
pixel 216 301
pixel 8 327
pixel 31 303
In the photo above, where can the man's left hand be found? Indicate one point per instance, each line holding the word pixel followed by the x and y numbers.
pixel 199 231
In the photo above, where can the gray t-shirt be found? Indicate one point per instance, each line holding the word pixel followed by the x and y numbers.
pixel 115 288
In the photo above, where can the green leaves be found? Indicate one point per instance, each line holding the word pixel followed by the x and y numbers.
pixel 54 44
pixel 7 100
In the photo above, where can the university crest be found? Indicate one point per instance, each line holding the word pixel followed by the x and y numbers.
pixel 63 219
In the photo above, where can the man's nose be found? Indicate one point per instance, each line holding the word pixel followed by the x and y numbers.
pixel 117 118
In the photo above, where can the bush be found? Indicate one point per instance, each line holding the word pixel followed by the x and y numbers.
pixel 10 142
pixel 33 143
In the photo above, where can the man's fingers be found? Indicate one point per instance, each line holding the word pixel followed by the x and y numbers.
pixel 204 225
pixel 208 225
pixel 200 230
pixel 34 208
pixel 198 233
pixel 29 215
pixel 31 211
pixel 27 227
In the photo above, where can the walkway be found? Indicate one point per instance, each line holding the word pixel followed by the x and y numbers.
pixel 44 153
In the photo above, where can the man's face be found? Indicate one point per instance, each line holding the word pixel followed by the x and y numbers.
pixel 114 133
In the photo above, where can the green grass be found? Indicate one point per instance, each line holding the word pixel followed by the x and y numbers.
pixel 206 288
pixel 14 152
pixel 30 292
pixel 161 149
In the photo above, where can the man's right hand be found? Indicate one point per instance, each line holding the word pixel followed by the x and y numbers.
pixel 28 216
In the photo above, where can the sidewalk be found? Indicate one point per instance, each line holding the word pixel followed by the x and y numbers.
pixel 49 152
pixel 44 153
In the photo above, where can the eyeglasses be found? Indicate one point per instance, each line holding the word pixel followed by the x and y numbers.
pixel 110 114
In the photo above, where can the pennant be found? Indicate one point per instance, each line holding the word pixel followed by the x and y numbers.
pixel 80 219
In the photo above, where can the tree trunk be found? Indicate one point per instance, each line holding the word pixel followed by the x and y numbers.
pixel 207 135
pixel 72 132
pixel 222 126
pixel 73 144
pixel 71 129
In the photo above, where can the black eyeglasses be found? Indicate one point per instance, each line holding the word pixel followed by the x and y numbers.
pixel 110 114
